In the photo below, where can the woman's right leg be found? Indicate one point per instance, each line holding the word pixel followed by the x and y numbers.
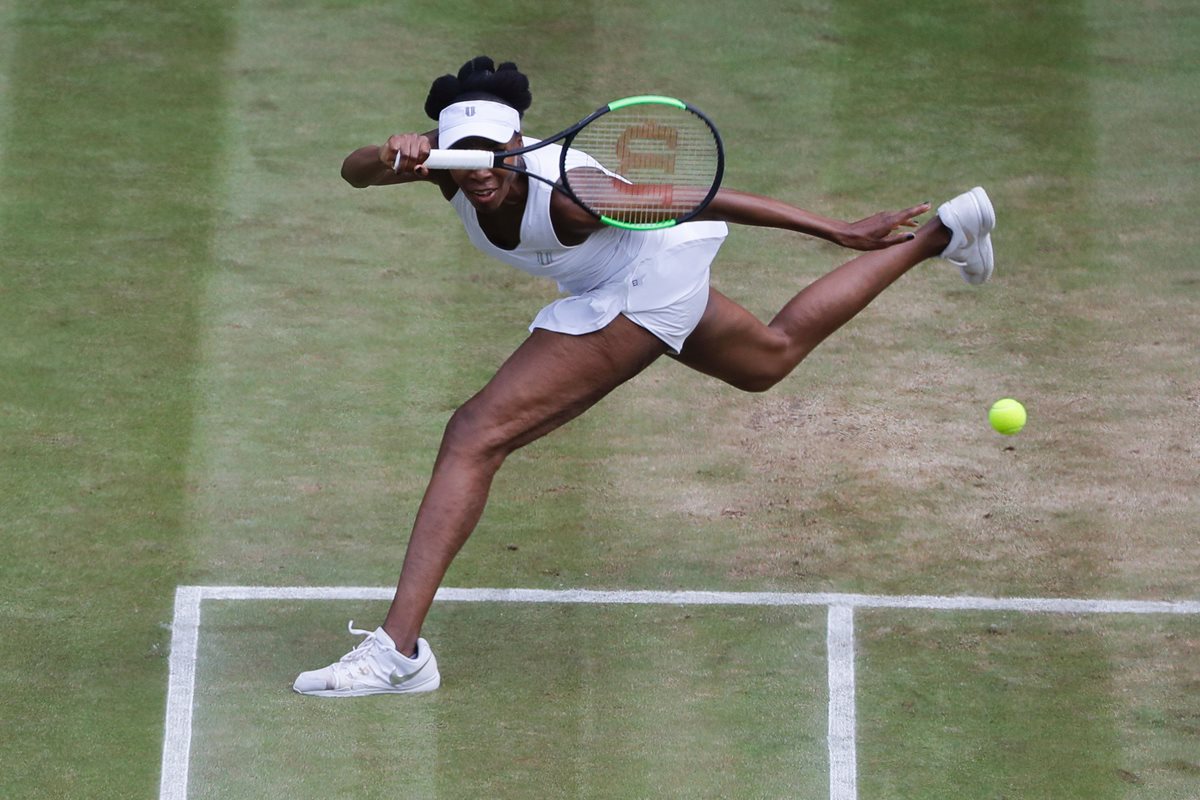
pixel 731 344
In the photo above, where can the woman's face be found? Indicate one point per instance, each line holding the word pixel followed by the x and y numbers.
pixel 486 189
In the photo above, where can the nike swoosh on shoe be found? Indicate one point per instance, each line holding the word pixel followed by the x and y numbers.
pixel 398 679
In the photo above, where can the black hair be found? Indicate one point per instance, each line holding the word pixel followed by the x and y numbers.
pixel 480 79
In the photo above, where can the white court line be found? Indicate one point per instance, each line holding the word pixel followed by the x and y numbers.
pixel 842 779
pixel 181 687
pixel 843 747
pixel 640 597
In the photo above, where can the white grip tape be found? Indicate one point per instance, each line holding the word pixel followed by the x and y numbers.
pixel 460 159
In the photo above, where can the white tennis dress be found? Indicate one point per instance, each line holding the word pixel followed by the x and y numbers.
pixel 659 279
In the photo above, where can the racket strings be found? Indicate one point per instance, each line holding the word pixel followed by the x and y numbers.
pixel 655 164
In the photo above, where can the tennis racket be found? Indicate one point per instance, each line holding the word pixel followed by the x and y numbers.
pixel 658 161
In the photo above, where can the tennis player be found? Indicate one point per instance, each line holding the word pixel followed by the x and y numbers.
pixel 630 298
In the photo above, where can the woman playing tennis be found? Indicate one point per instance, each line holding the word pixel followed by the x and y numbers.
pixel 631 298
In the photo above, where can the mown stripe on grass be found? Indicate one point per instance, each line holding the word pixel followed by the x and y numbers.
pixel 986 705
pixel 341 326
pixel 952 97
pixel 725 703
pixel 1145 97
pixel 8 40
pixel 113 125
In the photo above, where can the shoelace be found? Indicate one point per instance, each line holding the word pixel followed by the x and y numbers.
pixel 362 648
pixel 353 659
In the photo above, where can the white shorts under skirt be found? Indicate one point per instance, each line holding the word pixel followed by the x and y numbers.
pixel 665 293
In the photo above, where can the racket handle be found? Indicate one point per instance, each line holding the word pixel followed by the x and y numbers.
pixel 460 159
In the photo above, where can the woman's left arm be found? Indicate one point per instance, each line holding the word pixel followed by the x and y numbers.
pixel 872 233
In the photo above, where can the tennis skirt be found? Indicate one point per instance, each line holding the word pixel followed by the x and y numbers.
pixel 664 292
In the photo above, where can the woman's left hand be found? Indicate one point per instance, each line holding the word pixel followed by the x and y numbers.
pixel 880 230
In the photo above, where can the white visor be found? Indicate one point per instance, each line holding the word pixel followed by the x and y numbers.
pixel 483 118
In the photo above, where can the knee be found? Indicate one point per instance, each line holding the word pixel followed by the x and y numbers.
pixel 770 366
pixel 473 433
pixel 759 380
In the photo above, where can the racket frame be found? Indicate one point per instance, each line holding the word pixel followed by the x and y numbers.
pixel 487 159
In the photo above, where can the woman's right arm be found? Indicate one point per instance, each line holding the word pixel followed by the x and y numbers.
pixel 373 165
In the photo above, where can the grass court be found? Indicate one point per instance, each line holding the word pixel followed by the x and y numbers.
pixel 220 366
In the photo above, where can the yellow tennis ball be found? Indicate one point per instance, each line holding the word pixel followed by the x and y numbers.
pixel 1007 416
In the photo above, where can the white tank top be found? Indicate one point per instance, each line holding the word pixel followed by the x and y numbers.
pixel 603 256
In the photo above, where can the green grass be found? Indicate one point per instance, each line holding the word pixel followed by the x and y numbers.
pixel 219 364
pixel 602 702
pixel 114 123
pixel 994 705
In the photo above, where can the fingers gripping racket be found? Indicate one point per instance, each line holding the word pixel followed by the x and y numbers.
pixel 658 162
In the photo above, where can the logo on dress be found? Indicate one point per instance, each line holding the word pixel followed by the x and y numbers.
pixel 545 257
pixel 470 111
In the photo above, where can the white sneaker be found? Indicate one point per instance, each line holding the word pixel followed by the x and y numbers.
pixel 970 218
pixel 373 667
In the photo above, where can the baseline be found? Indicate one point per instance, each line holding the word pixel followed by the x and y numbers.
pixel 1051 605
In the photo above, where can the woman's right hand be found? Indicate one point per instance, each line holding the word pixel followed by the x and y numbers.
pixel 412 149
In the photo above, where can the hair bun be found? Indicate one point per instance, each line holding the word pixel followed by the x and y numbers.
pixel 479 78
pixel 475 70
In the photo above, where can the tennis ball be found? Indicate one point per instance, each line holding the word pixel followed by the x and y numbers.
pixel 1007 416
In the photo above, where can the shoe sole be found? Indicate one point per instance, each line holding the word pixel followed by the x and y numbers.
pixel 986 213
pixel 987 219
pixel 425 686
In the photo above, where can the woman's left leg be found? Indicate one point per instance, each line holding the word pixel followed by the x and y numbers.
pixel 733 345
pixel 550 379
